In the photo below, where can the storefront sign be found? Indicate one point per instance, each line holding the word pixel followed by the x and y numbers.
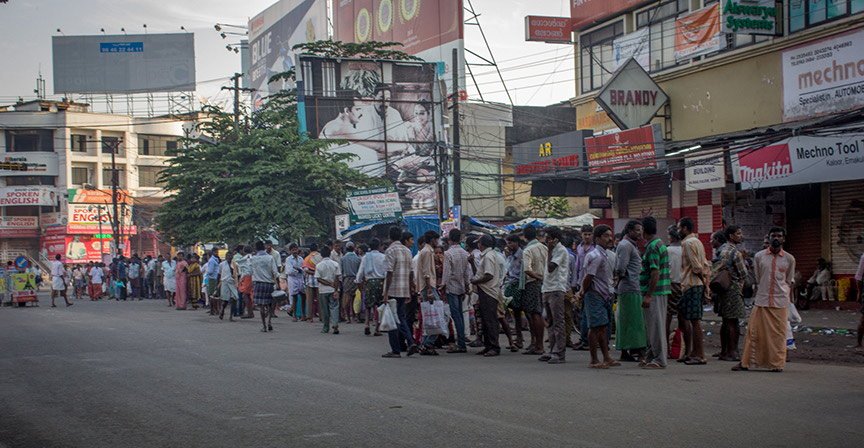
pixel 591 116
pixel 623 151
pixel 705 172
pixel 699 33
pixel 36 163
pixel 75 248
pixel 635 45
pixel 84 196
pixel 801 160
pixel 53 219
pixel 550 155
pixel 19 226
pixel 40 196
pixel 631 97
pixel 588 12
pixel 750 17
pixel 85 218
pixel 374 203
pixel 547 29
pixel 824 77
pixel 600 202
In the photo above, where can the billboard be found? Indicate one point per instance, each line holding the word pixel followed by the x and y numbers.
pixel 85 219
pixel 699 33
pixel 76 248
pixel 548 29
pixel 40 196
pixel 823 77
pixel 36 164
pixel 429 30
pixel 273 33
pixel 84 196
pixel 631 97
pixel 374 203
pixel 624 151
pixel 389 112
pixel 122 63
pixel 551 155
pixel 801 160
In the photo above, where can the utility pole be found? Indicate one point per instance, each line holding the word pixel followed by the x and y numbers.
pixel 115 225
pixel 457 156
pixel 237 89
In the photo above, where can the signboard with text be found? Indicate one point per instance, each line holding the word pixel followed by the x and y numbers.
pixel 374 203
pixel 628 150
pixel 84 196
pixel 750 17
pixel 85 219
pixel 699 33
pixel 705 172
pixel 801 160
pixel 35 164
pixel 39 196
pixel 547 29
pixel 631 97
pixel 19 226
pixel 548 156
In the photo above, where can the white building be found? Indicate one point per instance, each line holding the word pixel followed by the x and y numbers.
pixel 67 151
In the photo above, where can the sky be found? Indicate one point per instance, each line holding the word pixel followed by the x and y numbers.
pixel 536 73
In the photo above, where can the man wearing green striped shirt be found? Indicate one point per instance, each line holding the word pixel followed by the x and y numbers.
pixel 656 285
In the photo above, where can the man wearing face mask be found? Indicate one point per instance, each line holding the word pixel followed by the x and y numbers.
pixel 765 344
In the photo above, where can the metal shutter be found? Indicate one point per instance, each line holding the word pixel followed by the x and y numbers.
pixel 847 225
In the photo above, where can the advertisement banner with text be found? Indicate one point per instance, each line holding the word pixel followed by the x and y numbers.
pixel 624 151
pixel 699 33
pixel 40 196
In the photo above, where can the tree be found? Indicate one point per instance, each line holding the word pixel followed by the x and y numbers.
pixel 365 50
pixel 549 207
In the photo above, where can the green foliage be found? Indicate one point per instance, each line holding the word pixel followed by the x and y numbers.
pixel 549 207
pixel 365 50
pixel 238 186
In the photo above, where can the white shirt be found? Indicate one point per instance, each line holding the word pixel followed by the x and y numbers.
pixel 168 270
pixel 57 269
pixel 559 279
pixel 674 263
pixel 372 266
pixel 328 270
pixel 96 275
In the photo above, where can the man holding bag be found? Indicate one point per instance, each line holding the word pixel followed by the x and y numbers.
pixel 426 283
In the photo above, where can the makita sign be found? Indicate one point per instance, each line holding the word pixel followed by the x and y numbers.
pixel 801 160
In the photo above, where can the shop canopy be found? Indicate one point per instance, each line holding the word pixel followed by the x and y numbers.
pixel 571 222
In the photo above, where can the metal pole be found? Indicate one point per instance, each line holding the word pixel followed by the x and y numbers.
pixel 101 238
pixel 115 225
pixel 236 79
pixel 457 156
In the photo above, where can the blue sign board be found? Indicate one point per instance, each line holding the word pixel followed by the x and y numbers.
pixel 121 47
pixel 21 262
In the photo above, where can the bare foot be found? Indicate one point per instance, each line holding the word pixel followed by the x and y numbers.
pixel 599 365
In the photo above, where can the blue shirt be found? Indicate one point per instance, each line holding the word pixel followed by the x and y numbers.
pixel 212 268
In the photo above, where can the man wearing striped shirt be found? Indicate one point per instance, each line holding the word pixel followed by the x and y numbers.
pixel 656 285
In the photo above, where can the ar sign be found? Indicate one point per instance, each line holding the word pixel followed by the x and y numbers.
pixel 121 47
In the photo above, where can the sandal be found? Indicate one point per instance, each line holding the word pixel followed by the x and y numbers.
pixel 598 366
pixel 613 363
pixel 695 362
pixel 739 368
pixel 532 352
pixel 653 365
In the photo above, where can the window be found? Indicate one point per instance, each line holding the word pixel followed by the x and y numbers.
pixel 106 177
pixel 480 179
pixel 110 144
pixel 143 147
pixel 148 176
pixel 804 14
pixel 596 56
pixel 79 143
pixel 171 147
pixel 307 78
pixel 328 87
pixel 40 140
pixel 660 22
pixel 80 176
pixel 156 145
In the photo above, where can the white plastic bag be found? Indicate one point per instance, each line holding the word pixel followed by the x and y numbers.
pixel 443 311
pixel 389 322
pixel 794 316
pixel 432 319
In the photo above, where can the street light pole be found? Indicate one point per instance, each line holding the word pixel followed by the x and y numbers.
pixel 115 199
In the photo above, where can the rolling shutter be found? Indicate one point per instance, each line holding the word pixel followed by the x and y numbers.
pixel 847 226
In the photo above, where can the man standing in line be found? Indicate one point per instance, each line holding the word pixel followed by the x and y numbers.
pixel 58 281
pixel 487 278
pixel 455 283
pixel 656 287
pixel 135 276
pixel 370 277
pixel 630 338
pixel 157 289
pixel 582 250
pixel 534 257
pixel 514 283
pixel 265 276
pixel 311 282
pixel 122 277
pixel 731 301
pixel 596 296
pixel 569 244
pixel 293 270
pixel 674 251
pixel 95 286
pixel 765 344
pixel 399 289
pixel 694 278
pixel 349 265
pixel 327 273
pixel 211 275
pixel 427 286
pixel 556 283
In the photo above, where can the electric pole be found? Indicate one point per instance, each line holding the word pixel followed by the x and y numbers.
pixel 114 199
pixel 457 156
pixel 237 89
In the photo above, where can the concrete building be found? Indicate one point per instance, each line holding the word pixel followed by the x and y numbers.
pixel 56 204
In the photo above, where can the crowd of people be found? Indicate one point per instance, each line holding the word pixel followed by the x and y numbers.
pixel 464 292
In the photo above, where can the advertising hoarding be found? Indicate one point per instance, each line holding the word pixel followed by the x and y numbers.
pixel 85 218
pixel 19 226
pixel 823 77
pixel 705 172
pixel 549 156
pixel 122 63
pixel 548 29
pixel 40 196
pixel 429 30
pixel 587 12
pixel 801 160
pixel 624 151
pixel 84 196
pixel 273 33
pixel 699 33
pixel 374 203
pixel 36 163
pixel 391 115
pixel 23 287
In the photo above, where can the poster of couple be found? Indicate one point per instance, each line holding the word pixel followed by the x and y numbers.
pixel 390 115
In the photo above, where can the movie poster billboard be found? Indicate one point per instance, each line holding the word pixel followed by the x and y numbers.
pixel 273 33
pixel 390 114
pixel 427 29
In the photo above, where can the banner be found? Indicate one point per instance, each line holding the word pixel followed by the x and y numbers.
pixel 699 33
pixel 705 172
pixel 391 116
pixel 84 196
pixel 801 160
pixel 624 151
pixel 635 45
pixel 19 226
pixel 52 219
pixel 548 29
pixel 76 248
pixel 453 221
pixel 40 196
pixel 430 30
pixel 85 218
pixel 272 35
pixel 23 287
pixel 550 156
pixel 374 203
pixel 824 77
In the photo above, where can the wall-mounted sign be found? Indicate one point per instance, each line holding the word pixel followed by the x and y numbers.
pixel 699 33
pixel 631 97
pixel 548 29
pixel 636 45
pixel 36 164
pixel 705 172
pixel 600 202
pixel 85 218
pixel 750 17
pixel 624 151
pixel 84 196
pixel 823 77
pixel 42 196
pixel 342 223
pixel 453 221
pixel 801 160
pixel 550 155
pixel 374 203
pixel 19 226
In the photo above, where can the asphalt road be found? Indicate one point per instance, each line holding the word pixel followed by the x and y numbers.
pixel 140 374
